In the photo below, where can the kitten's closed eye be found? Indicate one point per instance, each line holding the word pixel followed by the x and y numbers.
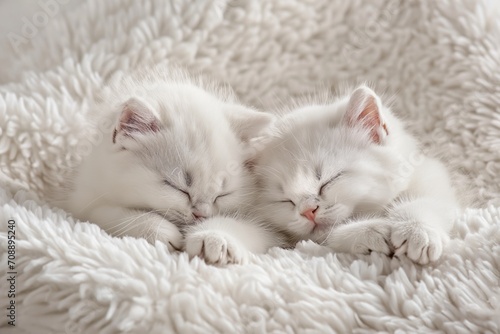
pixel 287 201
pixel 329 182
pixel 321 189
pixel 222 195
pixel 168 183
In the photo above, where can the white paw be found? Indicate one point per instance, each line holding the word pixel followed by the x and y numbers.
pixel 169 234
pixel 215 247
pixel 373 239
pixel 418 242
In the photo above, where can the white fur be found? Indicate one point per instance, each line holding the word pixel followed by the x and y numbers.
pixel 180 135
pixel 383 194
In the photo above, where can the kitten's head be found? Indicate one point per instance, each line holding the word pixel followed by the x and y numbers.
pixel 180 151
pixel 329 163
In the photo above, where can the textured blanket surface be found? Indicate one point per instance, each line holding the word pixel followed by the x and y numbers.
pixel 439 59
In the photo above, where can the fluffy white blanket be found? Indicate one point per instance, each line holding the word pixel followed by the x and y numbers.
pixel 440 60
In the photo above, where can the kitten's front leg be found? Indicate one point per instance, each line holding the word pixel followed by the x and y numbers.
pixel 361 237
pixel 119 221
pixel 224 240
pixel 422 220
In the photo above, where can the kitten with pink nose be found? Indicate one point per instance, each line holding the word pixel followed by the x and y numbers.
pixel 348 175
pixel 173 158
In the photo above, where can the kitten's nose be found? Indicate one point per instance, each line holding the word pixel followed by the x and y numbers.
pixel 310 213
pixel 198 215
pixel 201 211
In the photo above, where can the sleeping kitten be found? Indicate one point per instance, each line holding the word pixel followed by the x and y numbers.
pixel 348 175
pixel 171 159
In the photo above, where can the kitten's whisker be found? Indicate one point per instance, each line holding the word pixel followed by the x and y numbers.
pixel 327 236
pixel 123 226
pixel 94 200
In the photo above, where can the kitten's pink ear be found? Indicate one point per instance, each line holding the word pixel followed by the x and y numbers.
pixel 364 109
pixel 136 117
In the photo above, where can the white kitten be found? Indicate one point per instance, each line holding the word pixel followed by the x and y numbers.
pixel 348 174
pixel 172 157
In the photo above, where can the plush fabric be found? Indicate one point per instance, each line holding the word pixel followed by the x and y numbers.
pixel 440 60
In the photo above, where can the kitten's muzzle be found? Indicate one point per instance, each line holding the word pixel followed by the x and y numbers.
pixel 310 213
pixel 201 211
pixel 198 216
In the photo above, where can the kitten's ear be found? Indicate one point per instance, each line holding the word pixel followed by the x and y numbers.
pixel 136 117
pixel 250 126
pixel 364 109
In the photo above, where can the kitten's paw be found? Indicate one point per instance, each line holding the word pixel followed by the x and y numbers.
pixel 215 247
pixel 418 242
pixel 170 235
pixel 373 239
